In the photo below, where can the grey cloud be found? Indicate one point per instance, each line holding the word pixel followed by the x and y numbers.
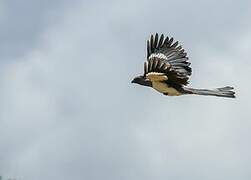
pixel 68 110
pixel 23 22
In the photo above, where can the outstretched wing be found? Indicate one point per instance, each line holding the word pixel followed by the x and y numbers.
pixel 166 57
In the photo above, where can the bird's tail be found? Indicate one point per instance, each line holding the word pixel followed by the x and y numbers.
pixel 221 92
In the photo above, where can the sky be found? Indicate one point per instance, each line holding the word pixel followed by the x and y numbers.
pixel 69 111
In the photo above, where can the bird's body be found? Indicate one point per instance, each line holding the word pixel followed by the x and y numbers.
pixel 164 88
pixel 159 84
pixel 167 70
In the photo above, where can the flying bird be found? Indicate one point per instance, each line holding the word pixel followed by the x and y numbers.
pixel 167 70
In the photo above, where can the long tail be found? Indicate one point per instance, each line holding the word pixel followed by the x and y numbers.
pixel 221 92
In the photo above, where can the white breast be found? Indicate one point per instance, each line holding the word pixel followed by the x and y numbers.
pixel 164 88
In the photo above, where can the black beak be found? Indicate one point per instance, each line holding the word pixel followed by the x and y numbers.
pixel 142 81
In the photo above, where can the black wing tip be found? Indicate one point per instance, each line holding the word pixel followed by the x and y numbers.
pixel 157 40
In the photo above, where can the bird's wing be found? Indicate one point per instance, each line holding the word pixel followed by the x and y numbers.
pixel 167 59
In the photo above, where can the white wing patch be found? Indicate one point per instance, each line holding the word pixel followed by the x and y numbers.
pixel 155 76
pixel 158 55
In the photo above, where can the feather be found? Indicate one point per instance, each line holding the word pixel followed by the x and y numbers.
pixel 166 41
pixel 148 49
pixel 151 41
pixel 178 60
pixel 150 66
pixel 156 40
pixel 154 64
pixel 178 48
pixel 161 40
pixel 145 67
pixel 170 42
pixel 175 44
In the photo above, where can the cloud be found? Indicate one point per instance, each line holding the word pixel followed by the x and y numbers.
pixel 68 109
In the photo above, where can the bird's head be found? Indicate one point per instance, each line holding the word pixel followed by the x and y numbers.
pixel 142 80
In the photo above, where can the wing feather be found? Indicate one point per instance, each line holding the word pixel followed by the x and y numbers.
pixel 166 56
pixel 161 40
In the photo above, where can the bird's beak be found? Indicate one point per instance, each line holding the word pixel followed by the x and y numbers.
pixel 133 81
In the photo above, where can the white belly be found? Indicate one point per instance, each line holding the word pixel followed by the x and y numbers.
pixel 164 88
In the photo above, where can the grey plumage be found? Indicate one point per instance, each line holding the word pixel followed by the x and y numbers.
pixel 221 92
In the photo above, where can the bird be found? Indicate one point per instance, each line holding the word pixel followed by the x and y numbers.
pixel 167 70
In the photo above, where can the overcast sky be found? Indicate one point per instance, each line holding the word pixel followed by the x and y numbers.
pixel 69 111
